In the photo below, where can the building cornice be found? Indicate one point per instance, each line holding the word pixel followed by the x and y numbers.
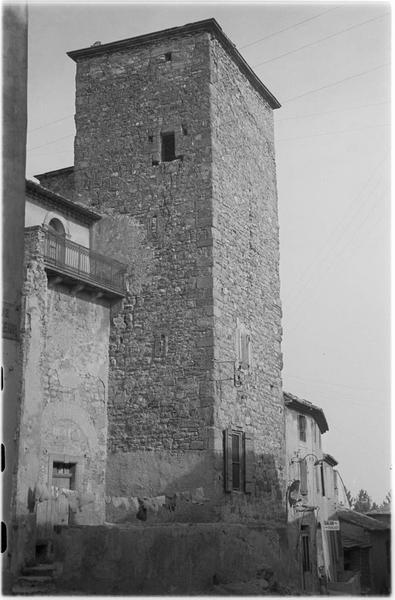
pixel 64 171
pixel 51 200
pixel 207 25
pixel 307 408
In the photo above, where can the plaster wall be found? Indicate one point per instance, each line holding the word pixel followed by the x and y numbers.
pixel 63 414
pixel 39 215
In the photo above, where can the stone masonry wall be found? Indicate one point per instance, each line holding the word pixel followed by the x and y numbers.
pixel 61 182
pixel 64 409
pixel 161 348
pixel 246 280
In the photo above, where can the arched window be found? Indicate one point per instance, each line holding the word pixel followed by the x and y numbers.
pixel 57 249
pixel 56 226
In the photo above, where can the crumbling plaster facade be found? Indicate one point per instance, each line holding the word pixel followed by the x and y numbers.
pixel 63 413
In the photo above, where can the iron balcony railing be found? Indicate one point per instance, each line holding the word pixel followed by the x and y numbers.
pixel 74 259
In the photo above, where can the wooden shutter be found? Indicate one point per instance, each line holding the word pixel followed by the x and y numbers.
pixel 249 463
pixel 303 477
pixel 228 460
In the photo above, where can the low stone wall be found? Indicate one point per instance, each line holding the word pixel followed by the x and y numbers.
pixel 177 558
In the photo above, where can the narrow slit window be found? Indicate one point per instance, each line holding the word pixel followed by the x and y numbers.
pixel 322 480
pixel 302 428
pixel 168 147
pixel 236 461
pixel 154 224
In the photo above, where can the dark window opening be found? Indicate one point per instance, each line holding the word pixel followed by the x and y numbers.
pixel 184 130
pixel 236 461
pixel 161 345
pixel 167 56
pixel 168 147
pixel 56 226
pixel 63 475
pixel 2 457
pixel 306 564
pixel 302 427
pixel 151 138
pixel 322 480
pixel 3 537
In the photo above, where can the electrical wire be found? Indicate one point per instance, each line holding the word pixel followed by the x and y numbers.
pixel 328 85
pixel 288 28
pixel 334 384
pixel 51 142
pixel 346 219
pixel 328 268
pixel 338 132
pixel 265 62
pixel 328 112
pixel 50 123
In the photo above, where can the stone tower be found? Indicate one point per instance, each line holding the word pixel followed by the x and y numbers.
pixel 174 145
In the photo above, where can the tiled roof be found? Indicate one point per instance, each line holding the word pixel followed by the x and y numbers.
pixel 307 408
pixel 43 195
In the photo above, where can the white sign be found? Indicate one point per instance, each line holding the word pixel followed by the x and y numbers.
pixel 331 525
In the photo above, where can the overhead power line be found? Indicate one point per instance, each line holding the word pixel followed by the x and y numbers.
pixel 327 37
pixel 50 123
pixel 328 85
pixel 287 28
pixel 304 137
pixel 51 142
pixel 328 112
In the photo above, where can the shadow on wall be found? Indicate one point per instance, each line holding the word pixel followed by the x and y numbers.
pixel 164 486
pixel 122 238
pixel 174 559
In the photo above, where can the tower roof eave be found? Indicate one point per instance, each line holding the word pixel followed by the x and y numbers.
pixel 209 25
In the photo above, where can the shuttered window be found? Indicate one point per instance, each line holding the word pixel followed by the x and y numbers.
pixel 238 461
pixel 302 427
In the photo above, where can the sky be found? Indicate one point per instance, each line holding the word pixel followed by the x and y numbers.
pixel 328 65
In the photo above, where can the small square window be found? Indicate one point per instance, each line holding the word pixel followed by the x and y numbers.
pixel 168 147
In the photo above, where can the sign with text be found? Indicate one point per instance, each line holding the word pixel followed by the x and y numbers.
pixel 332 525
